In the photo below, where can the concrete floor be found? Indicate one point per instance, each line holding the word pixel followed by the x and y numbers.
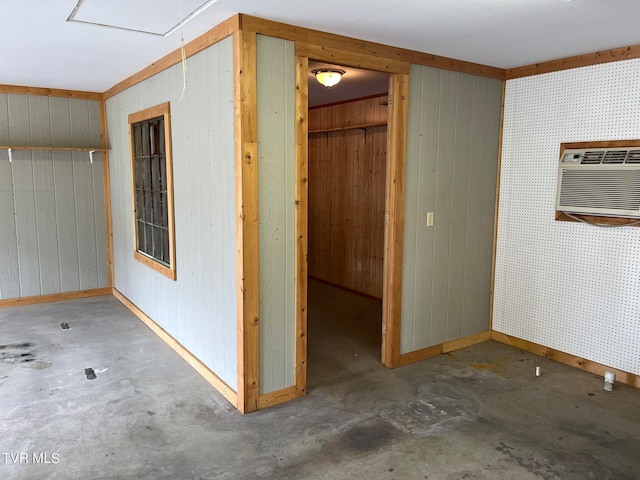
pixel 479 413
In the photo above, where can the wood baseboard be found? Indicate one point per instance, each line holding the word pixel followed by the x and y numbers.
pixel 566 358
pixel 189 357
pixel 465 342
pixel 270 399
pixel 446 347
pixel 54 297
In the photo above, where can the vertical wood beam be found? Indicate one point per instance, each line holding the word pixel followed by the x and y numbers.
pixel 394 219
pixel 246 165
pixel 107 190
pixel 301 221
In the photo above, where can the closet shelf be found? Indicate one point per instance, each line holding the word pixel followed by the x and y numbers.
pixel 54 149
pixel 350 127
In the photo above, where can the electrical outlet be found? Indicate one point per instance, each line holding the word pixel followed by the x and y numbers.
pixel 429 219
pixel 359 266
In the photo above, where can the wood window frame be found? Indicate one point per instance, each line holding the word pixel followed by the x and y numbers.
pixel 162 110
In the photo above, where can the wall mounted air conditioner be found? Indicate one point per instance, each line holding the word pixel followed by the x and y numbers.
pixel 599 181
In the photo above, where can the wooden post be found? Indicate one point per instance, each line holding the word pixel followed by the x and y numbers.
pixel 394 219
pixel 301 195
pixel 107 191
pixel 246 163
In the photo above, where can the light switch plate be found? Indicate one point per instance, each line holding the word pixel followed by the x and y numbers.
pixel 429 219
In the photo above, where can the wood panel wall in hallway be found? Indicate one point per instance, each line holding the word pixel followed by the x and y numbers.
pixel 346 194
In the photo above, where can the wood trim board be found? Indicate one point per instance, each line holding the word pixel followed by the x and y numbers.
pixel 601 220
pixel 566 358
pixel 341 56
pixel 301 222
pixel 54 297
pixel 394 219
pixel 50 92
pixel 106 175
pixel 577 61
pixel 224 389
pixel 446 347
pixel 599 144
pixel 161 110
pixel 323 40
pixel 247 240
pixel 270 399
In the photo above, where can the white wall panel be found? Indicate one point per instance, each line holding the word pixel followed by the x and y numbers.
pixel 46 221
pixel 66 221
pixel 199 308
pixel 568 286
pixel 452 156
pixel 51 203
pixel 4 120
pixel 26 232
pixel 276 166
pixel 9 273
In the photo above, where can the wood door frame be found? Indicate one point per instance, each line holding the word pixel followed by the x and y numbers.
pixel 394 196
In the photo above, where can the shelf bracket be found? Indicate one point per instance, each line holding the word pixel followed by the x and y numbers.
pixel 10 150
pixel 91 152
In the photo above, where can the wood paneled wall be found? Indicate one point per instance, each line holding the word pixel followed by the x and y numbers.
pixel 52 213
pixel 452 158
pixel 347 192
pixel 199 308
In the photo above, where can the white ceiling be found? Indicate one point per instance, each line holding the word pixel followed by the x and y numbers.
pixel 39 48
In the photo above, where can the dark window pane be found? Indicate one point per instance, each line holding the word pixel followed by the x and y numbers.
pixel 148 206
pixel 165 243
pixel 164 210
pixel 162 147
pixel 150 188
pixel 146 172
pixel 139 205
pixel 137 140
pixel 141 244
pixel 157 219
pixel 139 176
pixel 163 174
pixel 146 145
pixel 148 237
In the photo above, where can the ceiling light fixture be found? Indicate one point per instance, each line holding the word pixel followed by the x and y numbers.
pixel 328 76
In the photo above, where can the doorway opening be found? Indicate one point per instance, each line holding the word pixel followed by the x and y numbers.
pixel 347 165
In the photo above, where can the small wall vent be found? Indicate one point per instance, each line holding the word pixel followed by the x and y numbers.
pixel 604 182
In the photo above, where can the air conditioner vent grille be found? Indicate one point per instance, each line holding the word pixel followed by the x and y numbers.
pixel 615 156
pixel 592 157
pixel 633 156
pixel 600 189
